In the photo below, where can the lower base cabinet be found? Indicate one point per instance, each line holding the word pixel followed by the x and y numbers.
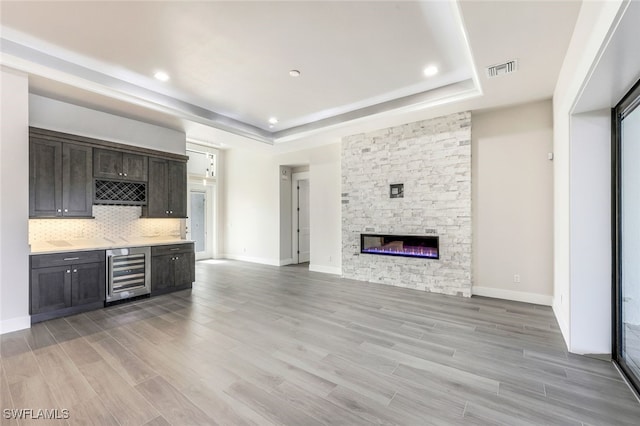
pixel 172 268
pixel 66 283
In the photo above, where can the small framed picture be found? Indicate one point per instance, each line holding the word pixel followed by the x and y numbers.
pixel 396 190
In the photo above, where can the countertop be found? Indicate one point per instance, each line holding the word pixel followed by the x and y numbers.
pixel 61 246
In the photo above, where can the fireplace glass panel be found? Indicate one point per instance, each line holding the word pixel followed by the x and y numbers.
pixel 400 245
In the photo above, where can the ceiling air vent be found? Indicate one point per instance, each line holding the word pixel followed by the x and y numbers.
pixel 502 69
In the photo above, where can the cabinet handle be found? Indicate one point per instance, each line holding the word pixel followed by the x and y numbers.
pixel 167 212
pixel 171 211
pixel 68 271
pixel 71 258
pixel 66 210
pixel 119 174
pixel 59 210
pixel 75 271
pixel 175 249
pixel 125 174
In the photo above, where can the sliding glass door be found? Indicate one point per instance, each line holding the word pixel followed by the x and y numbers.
pixel 626 208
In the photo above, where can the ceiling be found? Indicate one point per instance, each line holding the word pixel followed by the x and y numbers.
pixel 361 62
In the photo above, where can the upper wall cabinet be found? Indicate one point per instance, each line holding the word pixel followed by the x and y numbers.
pixel 60 179
pixel 118 165
pixel 167 196
pixel 68 173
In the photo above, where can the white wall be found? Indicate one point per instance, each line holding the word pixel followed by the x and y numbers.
pixel 512 192
pixel 14 202
pixel 594 23
pixel 219 206
pixel 63 117
pixel 325 216
pixel 590 231
pixel 286 254
pixel 252 205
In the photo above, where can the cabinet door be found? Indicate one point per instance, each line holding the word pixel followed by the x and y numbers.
pixel 184 268
pixel 50 289
pixel 158 189
pixel 134 167
pixel 77 180
pixel 177 189
pixel 162 272
pixel 107 164
pixel 88 284
pixel 45 178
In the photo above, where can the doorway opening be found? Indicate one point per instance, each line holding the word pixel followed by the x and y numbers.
pixel 200 213
pixel 301 227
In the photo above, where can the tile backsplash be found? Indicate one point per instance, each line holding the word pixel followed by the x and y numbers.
pixel 110 222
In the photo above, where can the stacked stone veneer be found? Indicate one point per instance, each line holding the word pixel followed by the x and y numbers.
pixel 432 158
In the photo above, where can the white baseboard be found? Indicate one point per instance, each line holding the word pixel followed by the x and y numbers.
pixel 285 262
pixel 517 296
pixel 325 269
pixel 15 324
pixel 260 260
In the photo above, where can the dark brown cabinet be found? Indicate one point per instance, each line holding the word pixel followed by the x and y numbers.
pixel 66 283
pixel 167 189
pixel 118 165
pixel 60 179
pixel 66 171
pixel 172 268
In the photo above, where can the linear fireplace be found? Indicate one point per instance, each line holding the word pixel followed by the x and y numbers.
pixel 401 245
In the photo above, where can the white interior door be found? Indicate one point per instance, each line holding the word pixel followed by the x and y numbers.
pixel 304 229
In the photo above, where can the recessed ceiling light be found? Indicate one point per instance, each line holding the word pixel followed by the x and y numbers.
pixel 430 71
pixel 294 73
pixel 271 126
pixel 161 75
pixel 273 120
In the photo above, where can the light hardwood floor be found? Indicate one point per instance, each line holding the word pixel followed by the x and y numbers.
pixel 254 344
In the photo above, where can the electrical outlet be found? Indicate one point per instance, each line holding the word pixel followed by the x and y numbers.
pixel 516 278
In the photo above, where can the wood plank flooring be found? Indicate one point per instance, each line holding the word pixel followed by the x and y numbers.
pixel 261 345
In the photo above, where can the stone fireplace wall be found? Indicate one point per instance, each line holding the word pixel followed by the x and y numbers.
pixel 432 158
